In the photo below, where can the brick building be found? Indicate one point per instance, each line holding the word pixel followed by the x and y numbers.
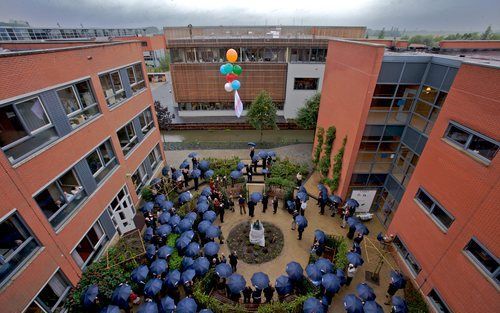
pixel 422 141
pixel 153 48
pixel 79 140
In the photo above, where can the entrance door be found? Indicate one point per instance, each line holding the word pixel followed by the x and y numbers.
pixel 122 212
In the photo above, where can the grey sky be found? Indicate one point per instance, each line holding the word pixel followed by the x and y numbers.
pixel 448 15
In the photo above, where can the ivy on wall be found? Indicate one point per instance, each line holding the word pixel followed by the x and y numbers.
pixel 333 183
pixel 319 146
pixel 325 162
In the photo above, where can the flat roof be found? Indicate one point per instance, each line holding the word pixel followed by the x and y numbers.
pixel 480 58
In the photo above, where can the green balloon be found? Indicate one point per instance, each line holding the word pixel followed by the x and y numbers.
pixel 237 69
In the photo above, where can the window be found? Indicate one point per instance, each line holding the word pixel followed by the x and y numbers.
pixel 112 87
pixel 59 200
pixel 305 83
pixel 428 94
pixel 146 120
pixel 78 102
pixel 438 302
pixel 384 90
pixel 51 298
pixel 140 177
pixel 17 246
pixel 136 77
pixel 102 161
pixel 24 127
pixel 127 137
pixel 487 261
pixel 89 247
pixel 407 256
pixel 438 213
pixel 155 157
pixel 474 143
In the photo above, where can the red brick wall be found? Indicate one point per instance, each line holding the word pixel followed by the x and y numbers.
pixel 350 76
pixel 386 42
pixel 469 44
pixel 155 42
pixel 465 187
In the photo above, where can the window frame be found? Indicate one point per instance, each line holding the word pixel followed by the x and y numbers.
pixel 149 125
pixel 305 78
pixel 130 139
pixel 471 133
pixel 115 92
pixel 42 305
pixel 98 244
pixel 101 158
pixel 404 256
pixel 478 263
pixel 434 303
pixel 143 179
pixel 82 108
pixel 157 158
pixel 136 82
pixel 430 210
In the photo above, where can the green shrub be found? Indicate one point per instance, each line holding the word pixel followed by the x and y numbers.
pixel 341 255
pixel 294 306
pixel 414 299
pixel 333 183
pixel 223 167
pixel 319 146
pixel 146 194
pixel 325 162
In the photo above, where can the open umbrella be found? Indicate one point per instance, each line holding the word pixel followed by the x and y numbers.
pixel 185 224
pixel 110 309
pixel 164 230
pixel 355 259
pixel 399 305
pixel 331 283
pixel 148 307
pixel 372 307
pixel 164 217
pixel 397 280
pixel 187 276
pixel 166 305
pixel 209 216
pixel 176 174
pixel 165 170
pixel 301 221
pixel 160 198
pixel 184 164
pixel 202 207
pixel 193 155
pixel 187 263
pixel 352 203
pixel 352 304
pixel 139 274
pixel 353 221
pixel 294 271
pixel 89 295
pixel 256 197
pixel 224 270
pixel 290 204
pixel 240 166
pixel 302 196
pixel 362 229
pixel 365 292
pixel 182 242
pixel 153 286
pixel 208 174
pixel 148 207
pixel 201 266
pixel 271 154
pixel 320 236
pixel 173 278
pixel 186 305
pixel 260 280
pixel 212 232
pixel 321 187
pixel 206 192
pixel 195 173
pixel 184 197
pixel 204 165
pixel 252 144
pixel 164 252
pixel 120 295
pixel 174 220
pixel 283 285
pixel 314 274
pixel 150 251
pixel 262 154
pixel 255 158
pixel 335 199
pixel 313 305
pixel 235 174
pixel 158 266
pixel 203 226
pixel 167 205
pixel 192 249
pixel 341 276
pixel 206 311
pixel 202 198
pixel 236 283
pixel 188 234
pixel 148 234
pixel 192 216
pixel 324 265
pixel 211 248
pixel 265 171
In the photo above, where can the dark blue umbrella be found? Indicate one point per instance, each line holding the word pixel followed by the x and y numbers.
pixel 235 174
pixel 207 192
pixel 192 216
pixel 256 197
pixel 164 252
pixel 120 295
pixel 184 164
pixel 184 197
pixel 110 309
pixel 158 266
pixel 185 224
pixel 204 165
pixel 240 166
pixel 321 187
pixel 398 280
pixel 140 274
pixel 164 217
pixel 211 248
pixel 182 242
pixel 209 216
pixel 352 203
pixel 324 193
pixel 302 189
pixel 150 251
pixel 372 307
pixel 302 196
pixel 313 305
pixel 262 154
pixel 353 221
pixel 187 263
pixel 148 307
pixel 155 181
pixel 206 311
pixel 271 154
pixel 160 198
pixel 260 280
pixel 164 230
pixel 252 144
pixel 202 198
pixel 290 204
pixel 362 229
pixel 208 174
pixel 89 295
pixel 236 283
pixel 265 171
pixel 187 305
pixel 153 286
pixel 188 234
pixel 355 259
pixel 294 271
pixel 192 250
pixel 335 199
pixel 202 207
pixel 167 205
pixel 301 221
pixel 399 305
pixel 341 276
pixel 193 155
pixel 173 279
pixel 319 235
pixel 195 173
pixel 352 304
pixel 187 275
pixel 203 226
pixel 283 285
pixel 324 265
pixel 201 266
pixel 331 283
pixel 166 305
pixel 212 232
pixel 174 220
pixel 148 207
pixel 165 170
pixel 314 274
pixel 224 270
pixel 255 158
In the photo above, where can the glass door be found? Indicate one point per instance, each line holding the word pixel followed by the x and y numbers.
pixel 122 212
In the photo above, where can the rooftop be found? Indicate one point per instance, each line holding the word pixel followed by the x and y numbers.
pixel 480 58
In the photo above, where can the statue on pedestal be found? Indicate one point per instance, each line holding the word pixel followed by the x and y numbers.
pixel 257 234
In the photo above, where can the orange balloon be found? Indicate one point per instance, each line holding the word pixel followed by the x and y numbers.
pixel 232 55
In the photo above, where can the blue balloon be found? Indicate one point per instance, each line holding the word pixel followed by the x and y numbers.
pixel 222 69
pixel 236 84
pixel 226 68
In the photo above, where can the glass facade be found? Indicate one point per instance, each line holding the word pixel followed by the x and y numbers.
pixel 27 33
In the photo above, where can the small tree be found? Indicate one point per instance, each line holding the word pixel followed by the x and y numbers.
pixel 165 117
pixel 486 34
pixel 262 113
pixel 381 35
pixel 308 114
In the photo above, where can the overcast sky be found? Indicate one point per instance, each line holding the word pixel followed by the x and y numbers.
pixel 448 15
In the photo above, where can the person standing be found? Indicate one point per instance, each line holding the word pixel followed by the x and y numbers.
pixel 275 204
pixel 301 229
pixel 265 200
pixel 252 152
pixel 241 202
pixel 257 296
pixel 351 271
pixel 251 208
pixel 233 260
pixel 294 215
pixel 299 179
pixel 303 207
pixel 358 239
pixel 255 163
pixel 269 293
pixel 391 291
pixel 222 212
pixel 322 204
pixel 249 176
pixel 247 294
pixel 195 163
pixel 185 172
pixel 195 179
